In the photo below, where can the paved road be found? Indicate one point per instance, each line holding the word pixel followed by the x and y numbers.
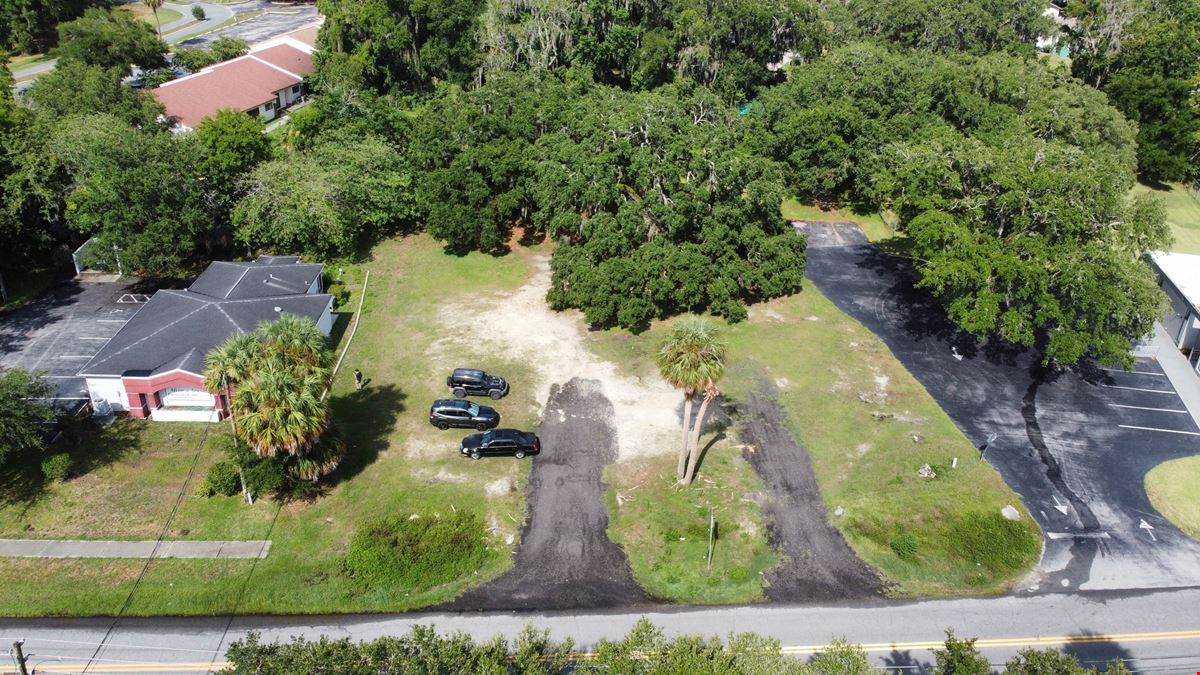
pixel 1158 631
pixel 275 20
pixel 1075 445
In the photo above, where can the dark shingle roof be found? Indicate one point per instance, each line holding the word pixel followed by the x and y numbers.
pixel 176 329
pixel 266 277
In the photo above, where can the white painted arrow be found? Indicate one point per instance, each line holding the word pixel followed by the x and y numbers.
pixel 1149 529
pixel 955 354
pixel 1062 508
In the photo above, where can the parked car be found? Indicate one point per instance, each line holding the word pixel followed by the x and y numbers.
pixel 452 412
pixel 465 382
pixel 500 442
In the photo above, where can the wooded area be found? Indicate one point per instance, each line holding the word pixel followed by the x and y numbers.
pixel 654 143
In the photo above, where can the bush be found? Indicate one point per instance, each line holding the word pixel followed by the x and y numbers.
pixel 1001 546
pixel 222 480
pixel 416 554
pixel 57 467
pixel 905 546
pixel 198 13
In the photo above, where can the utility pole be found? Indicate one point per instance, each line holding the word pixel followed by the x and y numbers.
pixel 20 656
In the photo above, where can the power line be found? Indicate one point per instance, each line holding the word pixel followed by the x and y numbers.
pixel 157 544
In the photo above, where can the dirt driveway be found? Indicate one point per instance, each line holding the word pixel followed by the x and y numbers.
pixel 566 560
pixel 820 565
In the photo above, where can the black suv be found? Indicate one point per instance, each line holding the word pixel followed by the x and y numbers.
pixel 465 382
pixel 452 412
pixel 500 442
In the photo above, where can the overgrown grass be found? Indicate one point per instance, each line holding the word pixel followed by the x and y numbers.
pixel 1172 490
pixel 397 464
pixel 875 224
pixel 832 376
pixel 664 529
pixel 1183 214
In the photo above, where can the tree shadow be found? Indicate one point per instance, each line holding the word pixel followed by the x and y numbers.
pixel 921 316
pixel 367 417
pixel 1093 650
pixel 904 663
pixel 89 445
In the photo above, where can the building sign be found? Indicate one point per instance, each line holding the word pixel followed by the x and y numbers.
pixel 185 397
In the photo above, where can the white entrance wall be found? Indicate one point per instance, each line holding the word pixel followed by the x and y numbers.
pixel 110 389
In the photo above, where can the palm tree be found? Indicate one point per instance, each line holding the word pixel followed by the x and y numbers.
pixel 230 363
pixel 154 6
pixel 280 372
pixel 692 359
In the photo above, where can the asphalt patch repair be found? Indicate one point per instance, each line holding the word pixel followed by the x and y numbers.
pixel 819 565
pixel 566 560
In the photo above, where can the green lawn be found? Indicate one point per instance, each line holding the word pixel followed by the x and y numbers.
pixel 664 528
pixel 1172 489
pixel 26 60
pixel 1183 215
pixel 165 14
pixel 833 377
pixel 877 225
pixel 397 463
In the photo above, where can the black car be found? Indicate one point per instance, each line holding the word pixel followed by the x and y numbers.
pixel 465 382
pixel 460 414
pixel 500 442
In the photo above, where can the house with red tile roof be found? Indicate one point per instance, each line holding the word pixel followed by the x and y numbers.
pixel 264 81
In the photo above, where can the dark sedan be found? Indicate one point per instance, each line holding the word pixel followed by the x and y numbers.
pixel 461 414
pixel 500 442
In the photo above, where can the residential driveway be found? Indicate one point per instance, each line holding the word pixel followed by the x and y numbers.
pixel 1075 445
pixel 60 331
pixel 820 566
pixel 566 560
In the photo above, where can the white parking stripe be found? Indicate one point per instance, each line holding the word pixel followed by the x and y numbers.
pixel 1133 372
pixel 1151 391
pixel 91 338
pixel 1138 407
pixel 75 356
pixel 112 320
pixel 1169 431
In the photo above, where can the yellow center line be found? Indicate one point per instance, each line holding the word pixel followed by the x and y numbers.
pixel 1056 640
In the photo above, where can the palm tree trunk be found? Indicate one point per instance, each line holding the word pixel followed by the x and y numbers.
pixel 694 444
pixel 233 425
pixel 157 22
pixel 687 421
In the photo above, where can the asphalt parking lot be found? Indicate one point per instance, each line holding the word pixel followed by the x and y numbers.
pixel 60 331
pixel 274 20
pixel 1075 445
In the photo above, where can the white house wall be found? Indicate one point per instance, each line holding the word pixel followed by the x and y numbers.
pixel 325 323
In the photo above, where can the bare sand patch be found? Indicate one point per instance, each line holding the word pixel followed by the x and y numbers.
pixel 522 326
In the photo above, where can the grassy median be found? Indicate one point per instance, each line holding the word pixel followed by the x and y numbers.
pixel 1172 489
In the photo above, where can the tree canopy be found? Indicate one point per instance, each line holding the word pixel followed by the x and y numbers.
pixel 1011 179
pixel 1146 57
pixel 24 412
pixel 28 25
pixel 110 38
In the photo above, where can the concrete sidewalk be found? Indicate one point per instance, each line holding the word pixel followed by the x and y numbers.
pixel 1184 379
pixel 81 548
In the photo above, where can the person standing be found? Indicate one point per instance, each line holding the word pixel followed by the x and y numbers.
pixel 358 379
